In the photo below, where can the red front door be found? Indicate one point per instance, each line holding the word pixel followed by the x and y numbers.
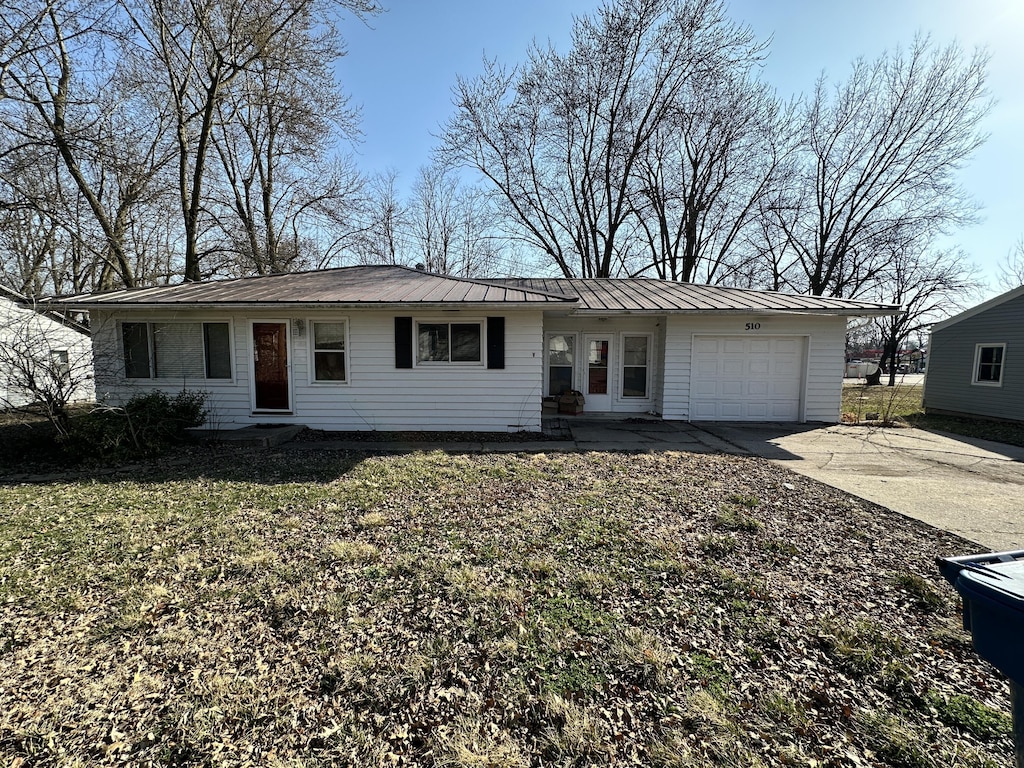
pixel 270 363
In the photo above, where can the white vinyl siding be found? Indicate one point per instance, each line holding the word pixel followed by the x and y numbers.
pixel 377 396
pixel 46 340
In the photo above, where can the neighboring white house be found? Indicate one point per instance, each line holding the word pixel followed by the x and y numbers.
pixel 41 350
pixel 391 348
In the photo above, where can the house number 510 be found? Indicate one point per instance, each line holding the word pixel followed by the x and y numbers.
pixel 753 327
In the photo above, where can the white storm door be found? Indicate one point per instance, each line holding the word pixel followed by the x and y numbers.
pixel 740 378
pixel 597 375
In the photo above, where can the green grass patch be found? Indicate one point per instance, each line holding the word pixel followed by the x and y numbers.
pixel 967 713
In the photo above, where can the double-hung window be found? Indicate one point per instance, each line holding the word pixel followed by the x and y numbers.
pixel 635 361
pixel 176 350
pixel 448 343
pixel 329 354
pixel 988 364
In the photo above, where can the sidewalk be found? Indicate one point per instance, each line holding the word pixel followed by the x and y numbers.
pixel 583 435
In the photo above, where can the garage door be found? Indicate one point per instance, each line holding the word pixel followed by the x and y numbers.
pixel 742 378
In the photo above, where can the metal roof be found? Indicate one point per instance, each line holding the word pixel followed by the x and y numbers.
pixel 363 285
pixel 41 307
pixel 658 296
pixel 386 285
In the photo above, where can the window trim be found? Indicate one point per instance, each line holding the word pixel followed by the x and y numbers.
pixel 479 322
pixel 975 381
pixel 151 350
pixel 575 367
pixel 311 349
pixel 621 396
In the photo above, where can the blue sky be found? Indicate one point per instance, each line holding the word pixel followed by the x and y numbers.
pixel 402 70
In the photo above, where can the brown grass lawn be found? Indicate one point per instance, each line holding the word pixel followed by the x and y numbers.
pixel 902 404
pixel 320 609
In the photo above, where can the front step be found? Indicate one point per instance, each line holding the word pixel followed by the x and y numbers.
pixel 255 436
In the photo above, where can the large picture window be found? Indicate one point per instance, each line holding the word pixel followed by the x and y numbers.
pixel 175 350
pixel 448 343
pixel 329 363
pixel 988 364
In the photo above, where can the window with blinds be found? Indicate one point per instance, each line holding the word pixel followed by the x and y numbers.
pixel 176 350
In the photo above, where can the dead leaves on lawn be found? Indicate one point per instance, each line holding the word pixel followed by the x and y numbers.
pixel 436 610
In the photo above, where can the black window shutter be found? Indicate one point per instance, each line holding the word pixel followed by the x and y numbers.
pixel 403 342
pixel 495 342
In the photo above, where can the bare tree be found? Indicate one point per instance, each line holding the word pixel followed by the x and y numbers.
pixel 876 165
pixel 703 174
pixel 1011 268
pixel 276 137
pixel 382 237
pixel 929 285
pixel 198 52
pixel 53 83
pixel 454 226
pixel 561 138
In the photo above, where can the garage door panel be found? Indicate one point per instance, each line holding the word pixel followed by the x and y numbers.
pixel 785 389
pixel 757 410
pixel 732 366
pixel 731 410
pixel 705 388
pixel 731 388
pixel 760 367
pixel 781 410
pixel 746 379
pixel 707 367
pixel 758 388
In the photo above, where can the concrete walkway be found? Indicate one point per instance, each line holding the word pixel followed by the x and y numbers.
pixel 583 434
pixel 973 488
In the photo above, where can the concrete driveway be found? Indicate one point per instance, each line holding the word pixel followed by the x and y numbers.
pixel 973 488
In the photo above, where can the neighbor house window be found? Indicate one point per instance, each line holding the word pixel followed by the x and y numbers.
pixel 176 350
pixel 60 361
pixel 561 356
pixel 635 357
pixel 988 364
pixel 448 342
pixel 329 351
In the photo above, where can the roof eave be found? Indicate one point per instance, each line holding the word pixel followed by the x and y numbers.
pixel 305 305
pixel 843 312
pixel 983 307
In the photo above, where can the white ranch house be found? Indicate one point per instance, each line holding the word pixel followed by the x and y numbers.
pixel 35 347
pixel 392 348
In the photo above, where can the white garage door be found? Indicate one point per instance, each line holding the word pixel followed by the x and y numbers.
pixel 743 378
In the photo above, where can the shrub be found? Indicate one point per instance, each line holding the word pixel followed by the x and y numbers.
pixel 147 425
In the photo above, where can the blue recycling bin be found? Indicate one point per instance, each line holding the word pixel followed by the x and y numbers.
pixel 992 588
